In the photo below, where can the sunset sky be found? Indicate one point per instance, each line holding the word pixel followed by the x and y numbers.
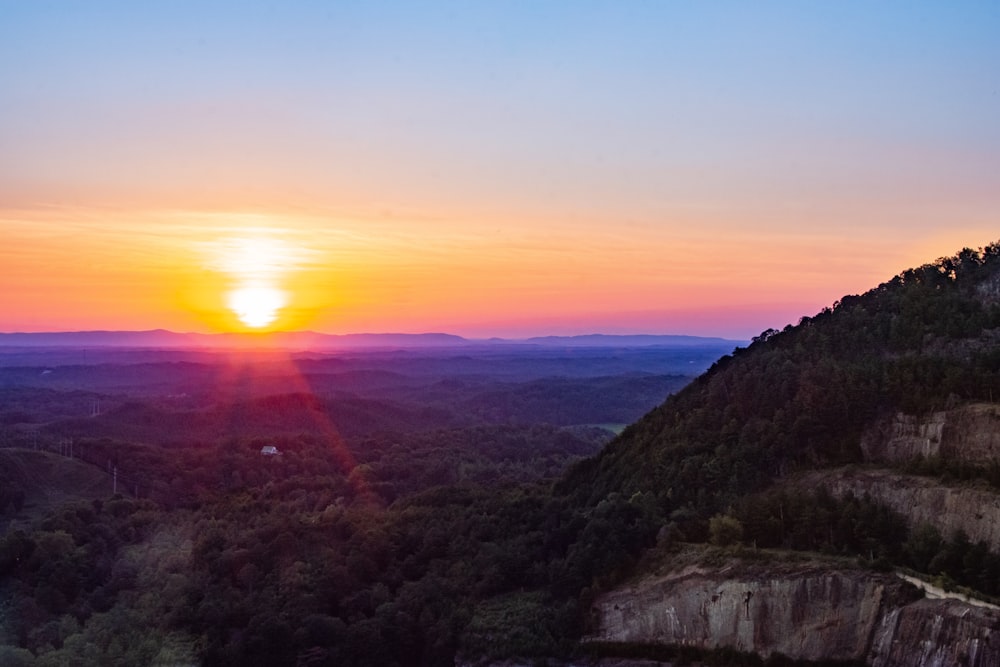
pixel 485 168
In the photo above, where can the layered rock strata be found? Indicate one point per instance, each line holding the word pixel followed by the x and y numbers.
pixel 970 433
pixel 921 500
pixel 803 612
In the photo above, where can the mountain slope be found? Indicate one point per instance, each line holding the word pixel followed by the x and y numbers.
pixel 866 434
pixel 802 397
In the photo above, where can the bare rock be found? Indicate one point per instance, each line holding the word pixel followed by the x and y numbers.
pixel 921 500
pixel 970 433
pixel 805 612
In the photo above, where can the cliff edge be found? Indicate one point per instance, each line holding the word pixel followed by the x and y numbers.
pixel 804 612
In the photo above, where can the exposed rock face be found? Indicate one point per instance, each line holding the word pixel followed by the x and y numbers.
pixel 809 614
pixel 803 612
pixel 818 613
pixel 936 633
pixel 971 433
pixel 921 500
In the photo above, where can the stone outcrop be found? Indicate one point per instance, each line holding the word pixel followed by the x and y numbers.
pixel 920 500
pixel 816 612
pixel 970 433
pixel 805 612
pixel 936 633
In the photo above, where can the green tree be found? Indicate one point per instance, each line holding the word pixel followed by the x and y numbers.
pixel 724 530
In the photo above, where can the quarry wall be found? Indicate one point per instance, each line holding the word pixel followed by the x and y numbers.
pixel 970 433
pixel 920 500
pixel 805 613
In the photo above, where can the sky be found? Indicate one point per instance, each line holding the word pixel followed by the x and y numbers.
pixel 498 168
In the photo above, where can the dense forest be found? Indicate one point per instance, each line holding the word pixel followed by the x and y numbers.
pixel 405 495
pixel 395 533
pixel 375 554
pixel 800 397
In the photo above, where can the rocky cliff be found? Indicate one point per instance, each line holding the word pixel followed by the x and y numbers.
pixel 970 433
pixel 805 612
pixel 920 500
pixel 936 633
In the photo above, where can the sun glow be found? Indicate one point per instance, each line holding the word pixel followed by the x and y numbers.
pixel 256 305
pixel 257 262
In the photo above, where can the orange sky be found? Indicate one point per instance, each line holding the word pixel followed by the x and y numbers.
pixel 85 269
pixel 488 169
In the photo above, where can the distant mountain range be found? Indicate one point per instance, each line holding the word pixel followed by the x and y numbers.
pixel 161 338
pixel 640 340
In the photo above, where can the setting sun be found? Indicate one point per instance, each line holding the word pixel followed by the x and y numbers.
pixel 256 262
pixel 256 306
pixel 290 171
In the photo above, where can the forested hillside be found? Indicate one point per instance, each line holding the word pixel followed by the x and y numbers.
pixel 864 432
pixel 800 398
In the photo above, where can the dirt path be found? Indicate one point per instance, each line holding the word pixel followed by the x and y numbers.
pixel 935 593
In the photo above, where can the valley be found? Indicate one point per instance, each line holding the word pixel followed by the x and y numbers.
pixel 406 485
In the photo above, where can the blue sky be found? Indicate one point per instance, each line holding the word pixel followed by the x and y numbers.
pixel 866 129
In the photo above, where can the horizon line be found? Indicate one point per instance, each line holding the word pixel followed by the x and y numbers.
pixel 134 339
